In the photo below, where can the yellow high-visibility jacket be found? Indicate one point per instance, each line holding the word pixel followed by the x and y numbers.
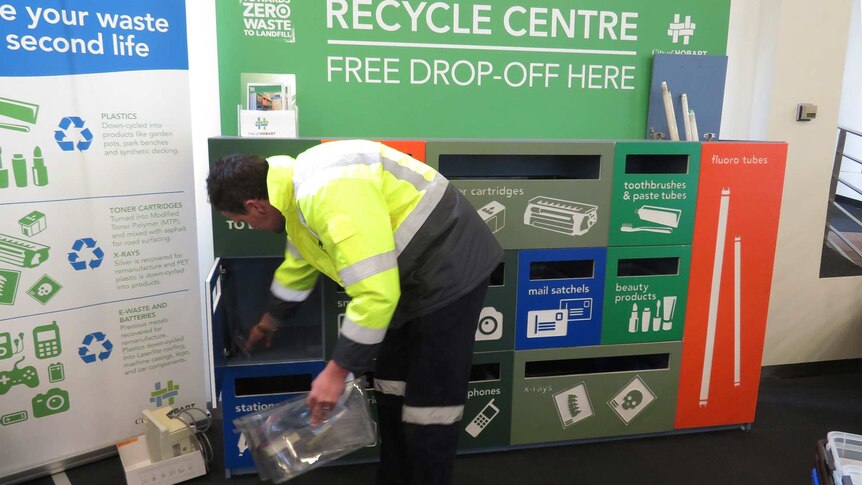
pixel 389 229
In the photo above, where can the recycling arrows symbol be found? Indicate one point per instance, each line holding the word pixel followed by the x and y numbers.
pixel 88 354
pixel 75 257
pixel 62 136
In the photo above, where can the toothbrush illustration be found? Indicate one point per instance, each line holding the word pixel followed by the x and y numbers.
pixel 627 227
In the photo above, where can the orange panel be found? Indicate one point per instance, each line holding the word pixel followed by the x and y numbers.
pixel 750 177
pixel 414 148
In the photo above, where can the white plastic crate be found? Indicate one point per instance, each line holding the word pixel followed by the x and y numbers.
pixel 846 452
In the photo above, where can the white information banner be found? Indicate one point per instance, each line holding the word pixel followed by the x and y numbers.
pixel 99 311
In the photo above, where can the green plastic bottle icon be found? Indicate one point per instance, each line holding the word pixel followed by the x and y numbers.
pixel 40 172
pixel 4 173
pixel 19 169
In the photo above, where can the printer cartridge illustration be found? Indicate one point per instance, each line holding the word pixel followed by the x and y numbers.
pixel 562 216
pixel 494 215
pixel 21 253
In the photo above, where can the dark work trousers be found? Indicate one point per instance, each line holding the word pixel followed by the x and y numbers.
pixel 421 377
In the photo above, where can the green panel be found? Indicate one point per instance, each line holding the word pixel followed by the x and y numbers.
pixel 581 404
pixel 239 240
pixel 642 306
pixel 472 68
pixel 488 410
pixel 496 329
pixel 652 204
pixel 518 209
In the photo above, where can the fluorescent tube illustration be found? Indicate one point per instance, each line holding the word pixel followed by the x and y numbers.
pixel 712 318
pixel 737 312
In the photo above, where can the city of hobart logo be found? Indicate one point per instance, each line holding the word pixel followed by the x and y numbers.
pixel 681 29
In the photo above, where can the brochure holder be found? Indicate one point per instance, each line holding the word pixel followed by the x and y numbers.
pixel 276 123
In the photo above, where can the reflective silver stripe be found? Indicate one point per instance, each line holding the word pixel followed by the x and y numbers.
pixel 406 174
pixel 293 251
pixel 322 173
pixel 317 175
pixel 362 335
pixel 286 294
pixel 393 388
pixel 367 267
pixel 432 415
pixel 423 209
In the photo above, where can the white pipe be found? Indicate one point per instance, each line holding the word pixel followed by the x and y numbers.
pixel 712 319
pixel 685 118
pixel 669 113
pixel 693 122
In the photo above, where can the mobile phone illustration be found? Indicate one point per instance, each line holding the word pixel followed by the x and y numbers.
pixel 482 419
pixel 46 338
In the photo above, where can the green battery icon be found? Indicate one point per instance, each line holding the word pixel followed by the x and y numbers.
pixel 13 418
pixel 56 372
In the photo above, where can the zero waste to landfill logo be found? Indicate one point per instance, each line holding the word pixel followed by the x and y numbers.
pixel 72 134
pixel 265 18
pixel 168 393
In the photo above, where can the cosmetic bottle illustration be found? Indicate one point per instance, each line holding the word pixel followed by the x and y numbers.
pixel 4 173
pixel 19 170
pixel 40 172
pixel 646 319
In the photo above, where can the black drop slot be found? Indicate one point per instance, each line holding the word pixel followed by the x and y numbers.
pixel 648 267
pixel 498 276
pixel 656 164
pixel 596 365
pixel 264 386
pixel 485 372
pixel 520 167
pixel 562 270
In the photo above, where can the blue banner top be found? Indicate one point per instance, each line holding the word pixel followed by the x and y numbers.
pixel 58 37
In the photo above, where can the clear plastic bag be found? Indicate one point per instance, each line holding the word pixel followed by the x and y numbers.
pixel 284 444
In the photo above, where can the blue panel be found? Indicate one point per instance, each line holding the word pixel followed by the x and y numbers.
pixel 58 37
pixel 560 311
pixel 701 78
pixel 234 407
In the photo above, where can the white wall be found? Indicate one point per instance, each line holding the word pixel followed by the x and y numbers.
pixel 784 52
pixel 850 116
pixel 203 80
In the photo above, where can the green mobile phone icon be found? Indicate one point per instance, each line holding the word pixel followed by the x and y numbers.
pixel 47 340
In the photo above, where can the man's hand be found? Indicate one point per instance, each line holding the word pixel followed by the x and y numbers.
pixel 325 391
pixel 262 332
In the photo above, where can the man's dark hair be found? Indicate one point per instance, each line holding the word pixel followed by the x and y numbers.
pixel 235 179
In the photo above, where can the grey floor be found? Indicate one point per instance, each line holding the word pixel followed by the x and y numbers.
pixel 797 406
